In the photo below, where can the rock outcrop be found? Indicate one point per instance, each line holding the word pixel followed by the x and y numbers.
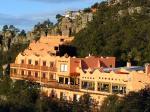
pixel 9 38
pixel 114 2
pixel 72 22
pixel 134 10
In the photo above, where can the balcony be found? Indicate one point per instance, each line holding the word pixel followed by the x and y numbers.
pixel 62 86
pixel 45 82
pixel 74 87
pixel 31 78
pixel 33 67
pixel 24 77
pixel 15 76
pixel 14 65
pixel 45 68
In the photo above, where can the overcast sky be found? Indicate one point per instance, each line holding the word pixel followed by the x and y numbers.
pixel 26 13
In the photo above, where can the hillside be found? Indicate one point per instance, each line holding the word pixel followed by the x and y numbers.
pixel 120 28
pixel 67 25
pixel 12 42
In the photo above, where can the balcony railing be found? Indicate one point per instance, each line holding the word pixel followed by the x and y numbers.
pixel 69 86
pixel 32 78
pixel 45 82
pixel 36 67
pixel 25 77
pixel 62 86
pixel 14 65
pixel 45 68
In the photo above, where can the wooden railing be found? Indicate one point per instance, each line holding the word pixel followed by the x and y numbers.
pixel 36 67
pixel 31 78
pixel 45 82
pixel 69 86
pixel 62 86
pixel 44 68
pixel 33 67
pixel 25 77
pixel 14 65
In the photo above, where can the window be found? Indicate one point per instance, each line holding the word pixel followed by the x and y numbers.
pixel 75 97
pixel 29 61
pixel 61 40
pixel 11 70
pixel 51 76
pixel 61 80
pixel 36 74
pixel 63 67
pixel 29 73
pixel 36 63
pixel 22 61
pixel 66 80
pixel 63 96
pixel 88 85
pixel 56 48
pixel 43 75
pixel 51 64
pixel 44 63
pixel 118 89
pixel 104 87
pixel 22 72
pixel 72 81
pixel 15 71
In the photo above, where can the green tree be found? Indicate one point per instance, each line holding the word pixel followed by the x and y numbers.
pixel 111 104
pixel 5 28
pixel 22 33
pixel 59 17
pixel 109 34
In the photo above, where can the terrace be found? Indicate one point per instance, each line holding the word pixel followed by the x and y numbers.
pixel 34 67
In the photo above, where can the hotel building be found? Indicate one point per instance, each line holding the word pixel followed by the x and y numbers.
pixel 70 77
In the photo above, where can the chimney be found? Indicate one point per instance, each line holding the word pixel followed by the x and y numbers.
pixel 128 64
pixel 147 68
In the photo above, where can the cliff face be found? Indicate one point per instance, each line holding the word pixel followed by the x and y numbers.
pixel 6 39
pixel 72 22
pixel 113 2
pixel 130 7
pixel 9 38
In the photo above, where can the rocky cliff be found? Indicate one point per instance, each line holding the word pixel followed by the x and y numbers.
pixel 72 22
pixel 11 36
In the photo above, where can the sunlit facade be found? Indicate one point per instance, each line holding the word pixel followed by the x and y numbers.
pixel 70 77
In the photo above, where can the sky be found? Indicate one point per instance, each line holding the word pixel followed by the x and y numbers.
pixel 24 14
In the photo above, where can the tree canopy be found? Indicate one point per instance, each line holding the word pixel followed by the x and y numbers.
pixel 133 102
pixel 26 96
pixel 125 36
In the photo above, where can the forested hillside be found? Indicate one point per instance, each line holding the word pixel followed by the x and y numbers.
pixel 25 96
pixel 132 102
pixel 118 29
